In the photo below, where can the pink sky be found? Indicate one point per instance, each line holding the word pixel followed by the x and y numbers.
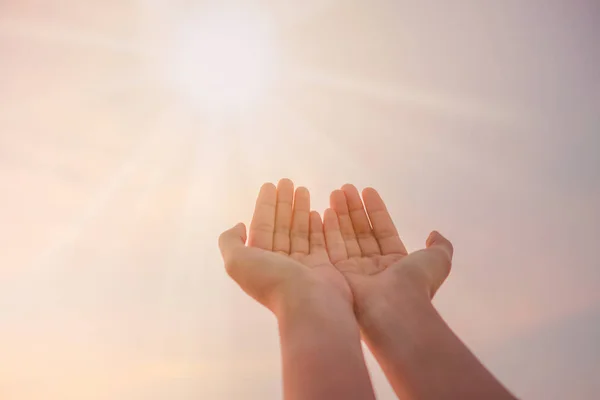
pixel 478 120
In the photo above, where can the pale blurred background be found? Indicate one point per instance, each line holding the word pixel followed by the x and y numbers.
pixel 133 132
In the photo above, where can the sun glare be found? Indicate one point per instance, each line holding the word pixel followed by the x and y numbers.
pixel 224 60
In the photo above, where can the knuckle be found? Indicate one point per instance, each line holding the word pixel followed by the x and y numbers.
pixel 317 240
pixel 283 227
pixel 364 235
pixel 386 233
pixel 263 227
pixel 298 234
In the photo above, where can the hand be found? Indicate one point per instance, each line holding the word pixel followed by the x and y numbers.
pixel 419 354
pixel 364 245
pixel 285 267
pixel 285 259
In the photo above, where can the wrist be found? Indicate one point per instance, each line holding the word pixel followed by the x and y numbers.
pixel 311 299
pixel 321 348
pixel 402 304
pixel 313 319
pixel 323 291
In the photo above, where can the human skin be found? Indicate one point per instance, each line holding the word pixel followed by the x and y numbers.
pixel 284 265
pixel 392 291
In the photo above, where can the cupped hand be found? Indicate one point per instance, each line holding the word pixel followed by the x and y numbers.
pixel 284 257
pixel 363 243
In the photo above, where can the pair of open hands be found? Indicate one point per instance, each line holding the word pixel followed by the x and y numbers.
pixel 354 252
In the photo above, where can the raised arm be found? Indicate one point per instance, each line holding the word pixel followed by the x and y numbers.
pixel 320 347
pixel 286 268
pixel 420 355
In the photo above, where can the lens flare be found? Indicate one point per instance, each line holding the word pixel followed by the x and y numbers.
pixel 224 60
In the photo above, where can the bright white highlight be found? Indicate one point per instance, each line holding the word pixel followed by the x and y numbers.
pixel 224 60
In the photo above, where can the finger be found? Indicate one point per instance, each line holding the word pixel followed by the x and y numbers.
pixel 300 222
pixel 362 227
pixel 338 203
pixel 317 238
pixel 283 216
pixel 383 226
pixel 437 241
pixel 230 242
pixel 262 226
pixel 334 241
pixel 441 249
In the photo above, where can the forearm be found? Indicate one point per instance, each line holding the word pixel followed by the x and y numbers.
pixel 421 356
pixel 321 352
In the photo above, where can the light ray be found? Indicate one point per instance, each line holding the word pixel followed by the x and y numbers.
pixel 97 203
pixel 239 175
pixel 406 96
pixel 45 33
pixel 252 133
pixel 283 143
pixel 111 87
pixel 86 92
pixel 318 152
pixel 203 183
pixel 158 178
pixel 295 14
pixel 411 151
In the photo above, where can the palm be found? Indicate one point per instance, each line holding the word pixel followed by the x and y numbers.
pixel 286 243
pixel 368 250
pixel 368 265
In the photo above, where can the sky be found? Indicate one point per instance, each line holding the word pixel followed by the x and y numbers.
pixel 478 119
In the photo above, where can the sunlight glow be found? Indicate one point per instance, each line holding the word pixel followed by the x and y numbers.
pixel 224 59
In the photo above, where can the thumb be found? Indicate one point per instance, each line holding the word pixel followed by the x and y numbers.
pixel 442 250
pixel 437 241
pixel 231 240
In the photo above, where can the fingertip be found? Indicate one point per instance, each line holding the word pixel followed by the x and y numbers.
pixel 433 235
pixel 352 196
pixel 429 239
pixel 302 191
pixel 437 239
pixel 329 213
pixel 285 182
pixel 369 191
pixel 302 197
pixel 232 236
pixel 337 198
pixel 349 188
pixel 315 220
pixel 268 187
pixel 241 229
